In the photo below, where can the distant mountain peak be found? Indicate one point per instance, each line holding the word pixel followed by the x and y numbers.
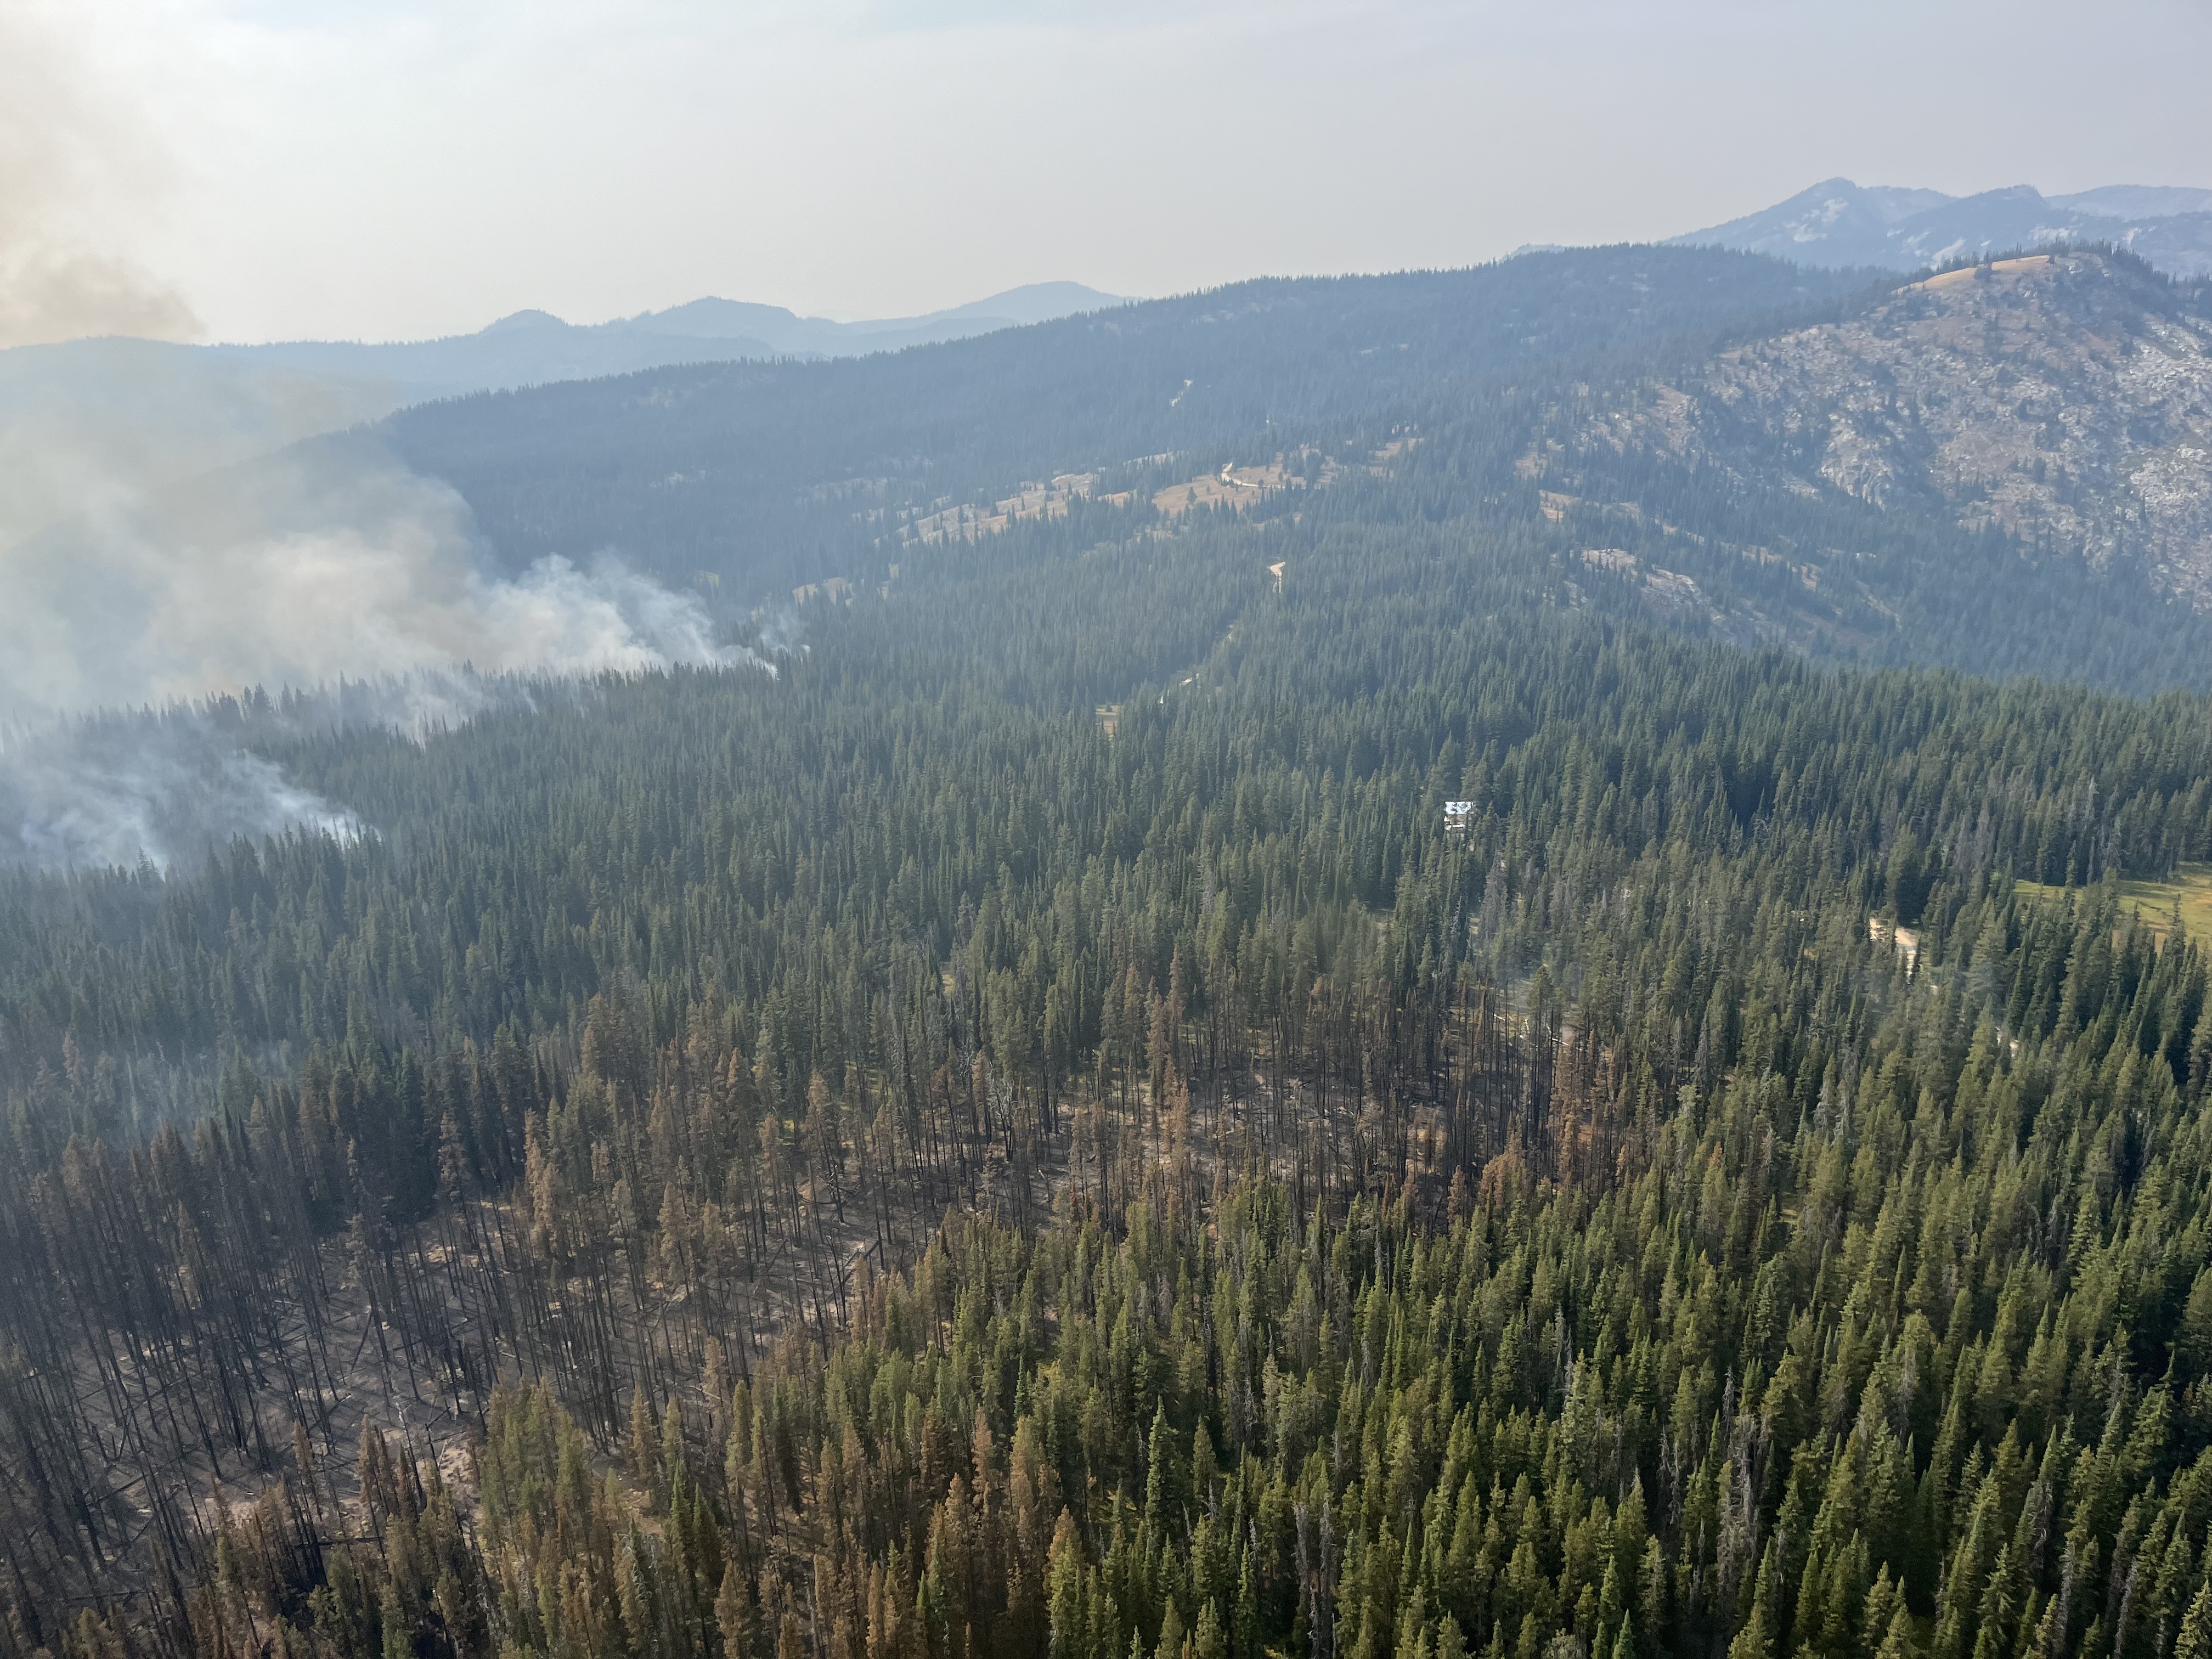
pixel 1036 302
pixel 725 328
pixel 519 322
pixel 1839 222
pixel 716 318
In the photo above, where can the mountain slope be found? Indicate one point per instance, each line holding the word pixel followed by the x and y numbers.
pixel 2004 472
pixel 2063 401
pixel 1743 457
pixel 1837 222
pixel 769 474
pixel 89 420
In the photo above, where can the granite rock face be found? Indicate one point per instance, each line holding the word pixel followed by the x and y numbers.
pixel 2064 399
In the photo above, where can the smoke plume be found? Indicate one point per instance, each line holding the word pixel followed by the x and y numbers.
pixel 329 561
pixel 159 549
pixel 328 566
pixel 162 786
pixel 123 790
pixel 68 153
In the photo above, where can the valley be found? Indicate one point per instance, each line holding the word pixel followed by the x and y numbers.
pixel 1271 998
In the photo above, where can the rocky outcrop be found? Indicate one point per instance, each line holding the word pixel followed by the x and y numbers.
pixel 2064 399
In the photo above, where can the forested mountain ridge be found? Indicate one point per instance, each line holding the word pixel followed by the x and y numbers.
pixel 748 483
pixel 769 476
pixel 2063 400
pixel 535 347
pixel 144 414
pixel 1453 384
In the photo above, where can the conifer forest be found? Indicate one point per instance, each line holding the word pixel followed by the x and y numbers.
pixel 1012 1123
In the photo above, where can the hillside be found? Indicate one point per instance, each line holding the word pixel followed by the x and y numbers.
pixel 871 1159
pixel 2004 472
pixel 1663 446
pixel 770 476
pixel 2062 401
pixel 109 418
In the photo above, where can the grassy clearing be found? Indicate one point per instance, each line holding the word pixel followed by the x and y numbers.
pixel 2154 901
pixel 1965 274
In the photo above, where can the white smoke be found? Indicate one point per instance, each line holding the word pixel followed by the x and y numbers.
pixel 133 577
pixel 330 562
pixel 331 569
pixel 142 789
pixel 73 152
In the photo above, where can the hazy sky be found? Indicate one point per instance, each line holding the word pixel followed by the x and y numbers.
pixel 267 169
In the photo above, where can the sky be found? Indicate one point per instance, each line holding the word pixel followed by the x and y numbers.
pixel 382 169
